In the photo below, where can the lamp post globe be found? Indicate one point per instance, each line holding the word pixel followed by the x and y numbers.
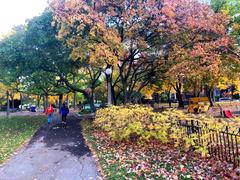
pixel 108 71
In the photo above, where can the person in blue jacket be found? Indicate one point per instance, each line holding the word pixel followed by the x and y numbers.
pixel 64 112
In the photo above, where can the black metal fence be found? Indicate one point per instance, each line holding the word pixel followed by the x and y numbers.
pixel 221 144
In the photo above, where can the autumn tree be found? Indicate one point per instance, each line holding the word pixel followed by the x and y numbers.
pixel 194 51
pixel 116 34
pixel 137 38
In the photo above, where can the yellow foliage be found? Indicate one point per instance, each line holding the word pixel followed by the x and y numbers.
pixel 225 82
pixel 149 90
pixel 123 123
pixel 17 96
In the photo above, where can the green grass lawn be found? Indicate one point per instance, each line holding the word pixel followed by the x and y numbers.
pixel 15 131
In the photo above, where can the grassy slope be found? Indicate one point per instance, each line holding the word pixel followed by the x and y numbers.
pixel 15 131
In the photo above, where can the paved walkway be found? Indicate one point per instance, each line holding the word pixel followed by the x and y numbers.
pixel 56 154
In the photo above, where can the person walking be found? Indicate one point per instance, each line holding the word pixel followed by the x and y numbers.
pixel 49 112
pixel 64 112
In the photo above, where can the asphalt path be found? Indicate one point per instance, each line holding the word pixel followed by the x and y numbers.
pixel 54 153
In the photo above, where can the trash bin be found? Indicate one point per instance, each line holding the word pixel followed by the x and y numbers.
pixel 33 108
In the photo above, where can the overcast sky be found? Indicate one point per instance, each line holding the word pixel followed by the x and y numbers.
pixel 15 12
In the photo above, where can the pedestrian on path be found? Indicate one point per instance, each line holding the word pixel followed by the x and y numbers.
pixel 49 112
pixel 64 112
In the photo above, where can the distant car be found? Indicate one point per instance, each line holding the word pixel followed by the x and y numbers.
pixel 24 107
pixel 236 100
pixel 225 99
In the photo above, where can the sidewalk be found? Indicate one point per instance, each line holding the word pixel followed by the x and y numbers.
pixel 56 154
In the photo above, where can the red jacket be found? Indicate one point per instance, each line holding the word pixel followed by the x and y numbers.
pixel 49 110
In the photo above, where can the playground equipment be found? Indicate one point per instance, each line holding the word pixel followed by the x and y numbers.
pixel 198 104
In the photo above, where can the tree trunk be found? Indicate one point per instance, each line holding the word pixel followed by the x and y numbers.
pixel 67 101
pixel 75 93
pixel 209 95
pixel 180 100
pixel 12 97
pixel 169 99
pixel 90 101
pixel 179 95
pixel 85 94
pixel 74 99
pixel 44 103
pixel 46 100
pixel 38 101
pixel 8 104
pixel 92 93
pixel 21 101
pixel 125 98
pixel 194 90
pixel 60 97
pixel 114 99
pixel 233 88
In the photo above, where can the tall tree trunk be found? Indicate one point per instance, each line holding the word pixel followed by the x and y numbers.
pixel 74 99
pixel 169 99
pixel 21 101
pixel 114 99
pixel 233 88
pixel 75 93
pixel 194 90
pixel 209 95
pixel 12 98
pixel 44 103
pixel 8 104
pixel 180 100
pixel 90 101
pixel 92 93
pixel 38 101
pixel 67 100
pixel 125 93
pixel 60 99
pixel 179 95
pixel 47 101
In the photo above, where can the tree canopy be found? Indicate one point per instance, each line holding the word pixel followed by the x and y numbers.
pixel 178 44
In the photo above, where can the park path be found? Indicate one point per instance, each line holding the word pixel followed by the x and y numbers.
pixel 53 154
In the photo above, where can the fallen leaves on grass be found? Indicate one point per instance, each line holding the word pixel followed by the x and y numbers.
pixel 15 131
pixel 153 160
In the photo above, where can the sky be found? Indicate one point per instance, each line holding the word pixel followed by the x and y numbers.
pixel 15 12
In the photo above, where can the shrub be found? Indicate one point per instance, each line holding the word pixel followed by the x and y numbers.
pixel 140 123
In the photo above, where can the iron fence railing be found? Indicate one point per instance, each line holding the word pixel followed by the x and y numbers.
pixel 222 145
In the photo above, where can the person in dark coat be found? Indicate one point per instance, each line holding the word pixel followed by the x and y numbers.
pixel 64 112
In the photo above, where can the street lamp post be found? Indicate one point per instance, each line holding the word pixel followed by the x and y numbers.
pixel 108 73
